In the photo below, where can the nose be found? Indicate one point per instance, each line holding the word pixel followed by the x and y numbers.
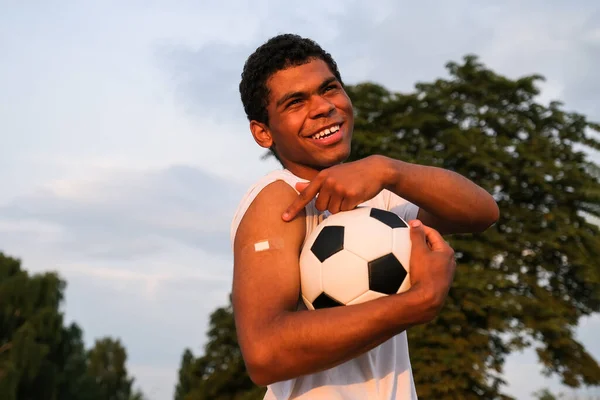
pixel 320 107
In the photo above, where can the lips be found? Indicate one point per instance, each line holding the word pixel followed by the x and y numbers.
pixel 327 136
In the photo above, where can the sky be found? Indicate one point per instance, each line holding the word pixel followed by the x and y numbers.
pixel 125 150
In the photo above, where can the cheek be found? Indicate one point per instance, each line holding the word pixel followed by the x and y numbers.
pixel 343 102
pixel 285 131
pixel 290 125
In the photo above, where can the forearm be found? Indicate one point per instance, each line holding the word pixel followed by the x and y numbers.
pixel 305 342
pixel 442 193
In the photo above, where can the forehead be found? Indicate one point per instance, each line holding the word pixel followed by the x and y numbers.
pixel 298 78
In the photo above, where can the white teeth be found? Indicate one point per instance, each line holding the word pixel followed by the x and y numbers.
pixel 326 132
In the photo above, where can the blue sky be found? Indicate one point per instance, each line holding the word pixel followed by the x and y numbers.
pixel 122 136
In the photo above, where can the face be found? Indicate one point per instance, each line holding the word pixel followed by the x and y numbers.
pixel 310 119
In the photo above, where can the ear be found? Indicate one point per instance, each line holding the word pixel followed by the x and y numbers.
pixel 261 134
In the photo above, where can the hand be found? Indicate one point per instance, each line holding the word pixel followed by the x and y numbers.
pixel 432 265
pixel 341 187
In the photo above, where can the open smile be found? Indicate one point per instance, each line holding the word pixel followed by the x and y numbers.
pixel 326 132
pixel 329 135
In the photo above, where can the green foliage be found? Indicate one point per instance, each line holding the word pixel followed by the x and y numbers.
pixel 30 332
pixel 527 280
pixel 186 377
pixel 107 365
pixel 42 359
pixel 221 373
pixel 544 394
pixel 532 276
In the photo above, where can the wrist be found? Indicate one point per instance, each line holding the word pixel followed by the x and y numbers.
pixel 391 172
pixel 429 302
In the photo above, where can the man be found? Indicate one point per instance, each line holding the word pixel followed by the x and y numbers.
pixel 295 101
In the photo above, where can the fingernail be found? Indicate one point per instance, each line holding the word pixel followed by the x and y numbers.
pixel 285 215
pixel 415 223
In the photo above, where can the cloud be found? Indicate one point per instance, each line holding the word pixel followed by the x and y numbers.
pixel 523 372
pixel 207 79
pixel 206 76
pixel 127 215
pixel 125 149
pixel 375 43
pixel 398 45
pixel 154 327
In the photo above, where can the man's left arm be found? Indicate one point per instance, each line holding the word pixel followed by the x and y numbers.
pixel 447 201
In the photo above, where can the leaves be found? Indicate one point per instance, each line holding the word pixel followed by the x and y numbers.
pixel 532 276
pixel 40 358
pixel 221 373
pixel 527 280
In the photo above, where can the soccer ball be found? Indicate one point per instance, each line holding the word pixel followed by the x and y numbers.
pixel 353 257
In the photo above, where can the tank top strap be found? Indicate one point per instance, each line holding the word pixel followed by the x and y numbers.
pixel 248 197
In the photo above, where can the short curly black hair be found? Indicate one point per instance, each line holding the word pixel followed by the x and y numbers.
pixel 278 53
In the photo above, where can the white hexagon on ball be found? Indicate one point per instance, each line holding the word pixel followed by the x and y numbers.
pixel 369 240
pixel 344 276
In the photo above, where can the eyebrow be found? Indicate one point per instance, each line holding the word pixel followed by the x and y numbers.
pixel 292 95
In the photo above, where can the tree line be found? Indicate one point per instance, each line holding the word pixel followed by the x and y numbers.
pixel 41 357
pixel 526 282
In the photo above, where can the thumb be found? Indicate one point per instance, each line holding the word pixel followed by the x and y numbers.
pixel 417 234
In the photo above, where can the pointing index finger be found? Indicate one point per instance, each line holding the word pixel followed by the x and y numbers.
pixel 304 197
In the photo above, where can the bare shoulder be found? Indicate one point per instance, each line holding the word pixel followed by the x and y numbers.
pixel 263 216
pixel 266 280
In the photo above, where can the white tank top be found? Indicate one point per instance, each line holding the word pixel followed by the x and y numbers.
pixel 383 373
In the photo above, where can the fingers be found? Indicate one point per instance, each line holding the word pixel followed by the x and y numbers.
pixel 436 241
pixel 306 195
pixel 300 186
pixel 335 204
pixel 425 236
pixel 348 204
pixel 323 200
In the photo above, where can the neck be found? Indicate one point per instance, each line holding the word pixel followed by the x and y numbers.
pixel 306 172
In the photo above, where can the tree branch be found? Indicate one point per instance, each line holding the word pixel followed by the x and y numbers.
pixel 5 347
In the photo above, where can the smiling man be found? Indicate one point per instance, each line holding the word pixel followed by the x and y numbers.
pixel 295 100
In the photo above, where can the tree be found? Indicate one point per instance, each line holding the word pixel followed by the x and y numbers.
pixel 30 332
pixel 527 280
pixel 532 276
pixel 107 365
pixel 544 394
pixel 221 373
pixel 75 382
pixel 40 358
pixel 186 377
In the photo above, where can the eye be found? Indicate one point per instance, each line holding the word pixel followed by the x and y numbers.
pixel 293 102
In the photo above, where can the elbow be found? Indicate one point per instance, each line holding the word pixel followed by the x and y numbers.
pixel 260 363
pixel 494 214
pixel 489 217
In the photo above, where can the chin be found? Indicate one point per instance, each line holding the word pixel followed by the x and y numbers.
pixel 329 160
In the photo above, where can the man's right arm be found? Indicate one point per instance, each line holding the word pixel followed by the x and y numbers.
pixel 278 342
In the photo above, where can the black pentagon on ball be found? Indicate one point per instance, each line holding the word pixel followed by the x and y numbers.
pixel 386 274
pixel 329 241
pixel 387 217
pixel 325 301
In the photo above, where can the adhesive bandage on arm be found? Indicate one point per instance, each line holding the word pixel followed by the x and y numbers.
pixel 266 244
pixel 262 246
